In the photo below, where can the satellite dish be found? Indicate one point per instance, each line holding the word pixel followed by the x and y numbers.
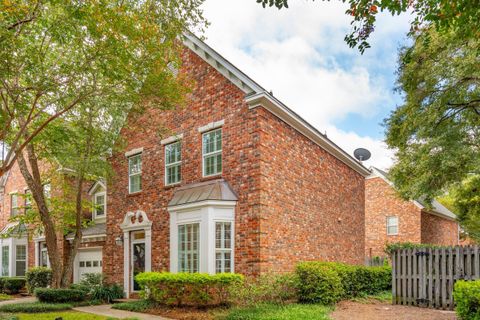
pixel 362 154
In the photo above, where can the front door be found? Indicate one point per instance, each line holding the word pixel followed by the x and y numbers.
pixel 138 257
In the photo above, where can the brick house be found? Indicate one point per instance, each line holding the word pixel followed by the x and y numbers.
pixel 21 248
pixel 236 181
pixel 390 219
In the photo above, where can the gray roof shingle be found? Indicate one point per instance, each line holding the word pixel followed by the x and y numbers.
pixel 210 190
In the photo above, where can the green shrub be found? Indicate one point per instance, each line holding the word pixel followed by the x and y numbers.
pixel 106 293
pixel 59 295
pixel 12 285
pixel 467 298
pixel 268 288
pixel 34 307
pixel 81 287
pixel 135 306
pixel 92 279
pixel 38 277
pixel 391 247
pixel 359 280
pixel 318 283
pixel 196 289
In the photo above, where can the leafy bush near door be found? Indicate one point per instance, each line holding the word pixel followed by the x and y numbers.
pixel 12 285
pixel 95 288
pixel 467 298
pixel 51 295
pixel 38 277
pixel 319 284
pixel 194 289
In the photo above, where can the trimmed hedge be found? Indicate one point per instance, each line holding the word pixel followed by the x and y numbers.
pixel 12 285
pixel 38 277
pixel 318 283
pixel 34 307
pixel 195 289
pixel 355 280
pixel 59 295
pixel 467 298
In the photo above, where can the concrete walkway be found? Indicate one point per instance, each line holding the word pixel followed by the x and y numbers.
pixel 18 300
pixel 106 310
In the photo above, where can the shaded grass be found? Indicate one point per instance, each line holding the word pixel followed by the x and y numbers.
pixel 34 307
pixel 135 306
pixel 277 312
pixel 4 296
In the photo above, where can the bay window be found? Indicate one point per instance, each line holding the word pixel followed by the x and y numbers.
pixel 20 260
pixel 188 247
pixel 223 247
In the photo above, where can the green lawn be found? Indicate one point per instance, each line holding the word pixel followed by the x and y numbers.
pixel 65 315
pixel 277 312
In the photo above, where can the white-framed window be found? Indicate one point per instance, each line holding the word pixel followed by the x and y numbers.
pixel 20 260
pixel 5 260
pixel 188 247
pixel 173 163
pixel 135 173
pixel 223 247
pixel 13 205
pixel 392 225
pixel 212 152
pixel 99 205
pixel 43 255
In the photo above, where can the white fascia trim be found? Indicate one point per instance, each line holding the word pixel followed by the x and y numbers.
pixel 172 139
pixel 133 152
pixel 200 204
pixel 277 108
pixel 95 186
pixel 221 64
pixel 211 126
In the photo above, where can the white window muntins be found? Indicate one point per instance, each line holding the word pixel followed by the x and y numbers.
pixel 20 260
pixel 223 247
pixel 13 205
pixel 212 152
pixel 28 199
pixel 188 247
pixel 184 222
pixel 5 261
pixel 135 173
pixel 173 163
pixel 99 205
pixel 43 255
pixel 392 225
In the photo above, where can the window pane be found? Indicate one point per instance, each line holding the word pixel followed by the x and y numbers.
pixel 173 153
pixel 188 238
pixel 135 183
pixel 135 164
pixel 21 252
pixel 100 204
pixel 5 260
pixel 14 204
pixel 173 174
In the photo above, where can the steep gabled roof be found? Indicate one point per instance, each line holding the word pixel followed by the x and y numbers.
pixel 436 208
pixel 256 96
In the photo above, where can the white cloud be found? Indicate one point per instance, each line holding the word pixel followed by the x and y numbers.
pixel 300 55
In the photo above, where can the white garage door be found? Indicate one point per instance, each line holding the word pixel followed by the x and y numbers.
pixel 88 261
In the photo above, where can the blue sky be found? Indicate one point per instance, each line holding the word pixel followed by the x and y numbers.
pixel 299 53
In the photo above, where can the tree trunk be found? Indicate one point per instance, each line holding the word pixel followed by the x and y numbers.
pixel 34 183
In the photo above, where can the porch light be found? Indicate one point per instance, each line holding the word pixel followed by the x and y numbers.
pixel 119 240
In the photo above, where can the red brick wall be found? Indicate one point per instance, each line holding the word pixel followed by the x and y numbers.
pixel 438 230
pixel 213 98
pixel 312 203
pixel 381 202
pixel 312 211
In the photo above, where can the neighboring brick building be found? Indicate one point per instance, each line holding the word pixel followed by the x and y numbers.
pixel 21 249
pixel 389 219
pixel 238 183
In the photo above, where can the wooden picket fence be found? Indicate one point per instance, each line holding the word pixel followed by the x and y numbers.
pixel 425 277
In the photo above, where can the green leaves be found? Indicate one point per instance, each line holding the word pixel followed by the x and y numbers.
pixel 436 132
pixel 460 16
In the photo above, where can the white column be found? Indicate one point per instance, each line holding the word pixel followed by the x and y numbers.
pixel 148 250
pixel 210 236
pixel 1 256
pixel 173 243
pixel 126 263
pixel 37 254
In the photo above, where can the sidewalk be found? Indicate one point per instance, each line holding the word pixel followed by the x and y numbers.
pixel 18 300
pixel 106 310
